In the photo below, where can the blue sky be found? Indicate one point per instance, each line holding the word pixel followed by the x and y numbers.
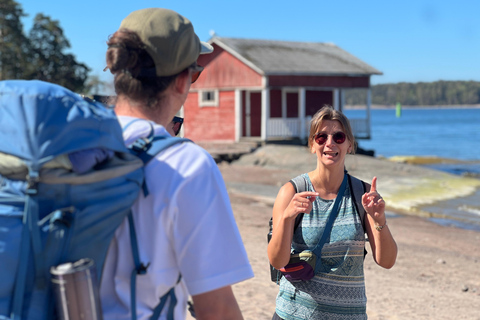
pixel 409 40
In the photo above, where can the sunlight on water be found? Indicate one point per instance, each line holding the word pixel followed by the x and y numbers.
pixel 445 133
pixel 470 209
pixel 441 139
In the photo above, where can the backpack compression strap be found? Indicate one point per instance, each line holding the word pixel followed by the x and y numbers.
pixel 31 239
pixel 146 149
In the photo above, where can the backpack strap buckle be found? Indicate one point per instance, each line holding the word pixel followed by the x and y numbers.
pixel 32 180
pixel 142 269
pixel 62 216
pixel 141 145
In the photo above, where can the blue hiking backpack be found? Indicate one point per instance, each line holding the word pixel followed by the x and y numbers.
pixel 67 182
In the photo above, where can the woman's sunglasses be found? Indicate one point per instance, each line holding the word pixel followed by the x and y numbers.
pixel 338 137
pixel 177 124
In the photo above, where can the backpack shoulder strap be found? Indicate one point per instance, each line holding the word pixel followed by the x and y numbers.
pixel 146 149
pixel 300 185
pixel 358 188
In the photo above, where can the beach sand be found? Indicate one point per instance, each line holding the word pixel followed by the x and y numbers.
pixel 437 273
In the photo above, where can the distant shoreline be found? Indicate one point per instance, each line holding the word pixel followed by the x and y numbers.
pixel 392 107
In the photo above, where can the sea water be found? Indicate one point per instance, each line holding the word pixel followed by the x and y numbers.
pixel 449 133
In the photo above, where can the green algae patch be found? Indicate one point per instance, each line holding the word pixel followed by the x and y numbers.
pixel 423 160
pixel 411 193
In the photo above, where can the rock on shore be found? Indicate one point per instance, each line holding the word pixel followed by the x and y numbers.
pixel 404 187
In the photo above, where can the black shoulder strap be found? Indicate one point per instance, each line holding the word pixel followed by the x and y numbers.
pixel 358 188
pixel 300 184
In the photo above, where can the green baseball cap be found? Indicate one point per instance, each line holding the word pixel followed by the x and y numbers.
pixel 169 39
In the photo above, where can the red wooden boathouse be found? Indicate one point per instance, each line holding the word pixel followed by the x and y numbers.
pixel 268 90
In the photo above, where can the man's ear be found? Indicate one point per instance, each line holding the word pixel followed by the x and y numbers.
pixel 182 82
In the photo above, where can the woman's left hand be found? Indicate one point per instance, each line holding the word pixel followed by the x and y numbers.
pixel 384 248
pixel 374 204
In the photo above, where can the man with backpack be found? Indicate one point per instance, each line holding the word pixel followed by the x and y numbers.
pixel 187 239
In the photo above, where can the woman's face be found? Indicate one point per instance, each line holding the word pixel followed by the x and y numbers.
pixel 330 143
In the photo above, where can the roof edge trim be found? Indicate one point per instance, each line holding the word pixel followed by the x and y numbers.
pixel 322 74
pixel 218 41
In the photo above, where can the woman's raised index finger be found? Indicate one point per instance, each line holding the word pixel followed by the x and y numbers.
pixel 374 185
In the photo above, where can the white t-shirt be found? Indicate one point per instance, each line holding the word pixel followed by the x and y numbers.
pixel 184 226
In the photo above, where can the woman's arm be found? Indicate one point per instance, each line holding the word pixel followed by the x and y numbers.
pixel 384 248
pixel 288 205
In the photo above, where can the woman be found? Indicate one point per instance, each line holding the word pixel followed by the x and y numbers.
pixel 337 291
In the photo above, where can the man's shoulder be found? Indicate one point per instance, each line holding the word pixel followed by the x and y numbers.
pixel 182 154
pixel 185 157
pixel 189 148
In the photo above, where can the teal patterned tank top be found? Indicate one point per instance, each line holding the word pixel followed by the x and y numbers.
pixel 338 290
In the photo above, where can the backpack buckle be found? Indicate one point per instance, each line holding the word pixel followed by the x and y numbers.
pixel 142 269
pixel 141 145
pixel 32 181
pixel 62 216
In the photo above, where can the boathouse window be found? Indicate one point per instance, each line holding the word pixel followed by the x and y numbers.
pixel 208 98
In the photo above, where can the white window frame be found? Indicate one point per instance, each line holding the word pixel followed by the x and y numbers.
pixel 209 103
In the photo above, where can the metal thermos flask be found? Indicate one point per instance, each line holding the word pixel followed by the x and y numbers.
pixel 76 291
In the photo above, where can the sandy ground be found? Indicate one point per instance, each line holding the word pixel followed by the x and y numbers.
pixel 437 274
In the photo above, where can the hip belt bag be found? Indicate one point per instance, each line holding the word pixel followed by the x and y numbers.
pixel 300 267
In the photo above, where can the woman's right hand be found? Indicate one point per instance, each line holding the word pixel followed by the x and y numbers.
pixel 300 203
pixel 288 205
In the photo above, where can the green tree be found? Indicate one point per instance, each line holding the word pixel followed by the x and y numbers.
pixel 49 62
pixel 420 94
pixel 94 85
pixel 13 42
